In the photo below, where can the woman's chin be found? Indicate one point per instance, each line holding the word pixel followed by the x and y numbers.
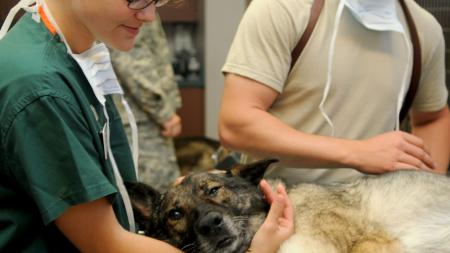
pixel 124 45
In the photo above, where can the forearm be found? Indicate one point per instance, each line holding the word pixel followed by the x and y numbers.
pixel 436 135
pixel 93 227
pixel 244 131
pixel 246 125
pixel 129 242
pixel 259 133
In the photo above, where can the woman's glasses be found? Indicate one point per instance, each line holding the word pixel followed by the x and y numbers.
pixel 142 4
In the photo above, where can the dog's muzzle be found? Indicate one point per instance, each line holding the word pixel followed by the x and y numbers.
pixel 211 226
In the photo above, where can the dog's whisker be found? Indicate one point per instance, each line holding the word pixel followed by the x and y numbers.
pixel 240 218
pixel 188 246
pixel 241 226
pixel 210 249
pixel 192 249
pixel 206 247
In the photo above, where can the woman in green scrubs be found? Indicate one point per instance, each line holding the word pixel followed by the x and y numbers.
pixel 63 150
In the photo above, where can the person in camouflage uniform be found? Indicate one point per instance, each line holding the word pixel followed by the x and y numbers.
pixel 147 77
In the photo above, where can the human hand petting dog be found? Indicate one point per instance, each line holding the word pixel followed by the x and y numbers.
pixel 279 223
pixel 172 127
pixel 391 151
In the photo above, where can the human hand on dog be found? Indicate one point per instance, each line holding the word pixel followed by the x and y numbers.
pixel 391 151
pixel 279 223
pixel 172 127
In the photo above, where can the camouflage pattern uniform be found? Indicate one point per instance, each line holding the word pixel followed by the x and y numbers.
pixel 147 78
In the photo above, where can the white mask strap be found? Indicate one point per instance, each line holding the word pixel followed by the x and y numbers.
pixel 337 21
pixel 134 134
pixel 406 77
pixel 119 181
pixel 27 5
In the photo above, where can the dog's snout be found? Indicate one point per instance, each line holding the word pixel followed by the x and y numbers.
pixel 210 224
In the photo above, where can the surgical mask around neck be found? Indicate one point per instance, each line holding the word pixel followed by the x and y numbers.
pixel 97 68
pixel 377 15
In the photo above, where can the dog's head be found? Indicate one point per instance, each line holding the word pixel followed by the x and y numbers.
pixel 209 211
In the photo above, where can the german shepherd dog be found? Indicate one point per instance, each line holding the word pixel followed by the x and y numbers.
pixel 399 212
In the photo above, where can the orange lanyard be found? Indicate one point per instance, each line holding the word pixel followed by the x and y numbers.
pixel 46 21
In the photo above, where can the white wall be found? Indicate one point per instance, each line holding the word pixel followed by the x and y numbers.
pixel 221 19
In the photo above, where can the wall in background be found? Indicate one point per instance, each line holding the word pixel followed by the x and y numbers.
pixel 221 19
pixel 183 24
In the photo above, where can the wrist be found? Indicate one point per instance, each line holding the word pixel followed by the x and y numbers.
pixel 265 249
pixel 253 250
pixel 349 154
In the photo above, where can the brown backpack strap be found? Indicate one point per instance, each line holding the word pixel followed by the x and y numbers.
pixel 316 8
pixel 417 63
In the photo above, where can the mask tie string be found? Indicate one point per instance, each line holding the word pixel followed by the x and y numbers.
pixel 119 181
pixel 27 5
pixel 330 65
pixel 406 75
pixel 134 133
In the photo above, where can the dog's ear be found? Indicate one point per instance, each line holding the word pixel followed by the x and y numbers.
pixel 145 202
pixel 252 172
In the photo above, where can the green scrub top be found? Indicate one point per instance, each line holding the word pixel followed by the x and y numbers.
pixel 51 148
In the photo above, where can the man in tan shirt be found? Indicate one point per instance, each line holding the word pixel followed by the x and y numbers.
pixel 268 111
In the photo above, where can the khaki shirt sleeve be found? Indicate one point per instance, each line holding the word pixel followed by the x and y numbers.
pixel 432 92
pixel 266 36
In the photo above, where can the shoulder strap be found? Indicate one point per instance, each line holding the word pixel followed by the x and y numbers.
pixel 417 63
pixel 316 9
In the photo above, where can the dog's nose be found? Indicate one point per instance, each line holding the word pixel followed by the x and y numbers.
pixel 210 224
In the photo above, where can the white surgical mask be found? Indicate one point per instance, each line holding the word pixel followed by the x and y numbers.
pixel 377 15
pixel 97 68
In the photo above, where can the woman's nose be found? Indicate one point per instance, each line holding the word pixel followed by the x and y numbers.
pixel 147 14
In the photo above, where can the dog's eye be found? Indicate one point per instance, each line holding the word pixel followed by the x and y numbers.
pixel 213 191
pixel 175 214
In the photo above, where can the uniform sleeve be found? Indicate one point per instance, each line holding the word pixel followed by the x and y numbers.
pixel 147 75
pixel 267 34
pixel 55 161
pixel 432 92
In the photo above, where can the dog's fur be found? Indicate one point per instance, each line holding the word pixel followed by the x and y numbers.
pixel 401 212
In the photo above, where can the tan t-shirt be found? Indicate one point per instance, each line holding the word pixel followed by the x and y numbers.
pixel 367 72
